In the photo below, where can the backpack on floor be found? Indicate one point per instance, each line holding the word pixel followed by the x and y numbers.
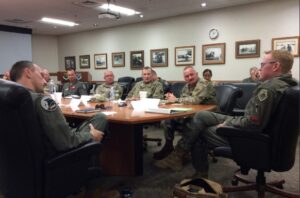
pixel 198 188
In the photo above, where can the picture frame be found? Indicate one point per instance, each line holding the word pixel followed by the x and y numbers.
pixel 70 62
pixel 100 61
pixel 213 53
pixel 247 49
pixel 84 61
pixel 159 57
pixel 118 59
pixel 185 55
pixel 137 59
pixel 290 44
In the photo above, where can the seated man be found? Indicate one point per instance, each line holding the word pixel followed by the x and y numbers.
pixel 59 135
pixel 105 88
pixel 254 75
pixel 165 84
pixel 274 74
pixel 195 91
pixel 154 89
pixel 73 87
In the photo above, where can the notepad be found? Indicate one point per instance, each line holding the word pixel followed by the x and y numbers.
pixel 168 111
pixel 87 110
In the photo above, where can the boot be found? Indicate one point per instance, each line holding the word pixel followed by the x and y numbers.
pixel 164 152
pixel 173 161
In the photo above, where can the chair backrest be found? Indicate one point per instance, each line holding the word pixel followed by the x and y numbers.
pixel 126 83
pixel 226 97
pixel 247 89
pixel 176 88
pixel 284 130
pixel 138 79
pixel 21 149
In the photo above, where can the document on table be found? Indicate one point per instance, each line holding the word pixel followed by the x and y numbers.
pixel 168 111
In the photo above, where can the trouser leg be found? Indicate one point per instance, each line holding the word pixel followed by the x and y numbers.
pixel 99 122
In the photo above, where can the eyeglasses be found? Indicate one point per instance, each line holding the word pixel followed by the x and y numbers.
pixel 270 62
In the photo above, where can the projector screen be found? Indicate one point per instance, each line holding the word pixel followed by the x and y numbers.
pixel 14 47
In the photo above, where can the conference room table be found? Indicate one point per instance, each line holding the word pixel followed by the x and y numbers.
pixel 122 150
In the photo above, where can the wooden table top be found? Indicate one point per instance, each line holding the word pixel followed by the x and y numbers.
pixel 127 115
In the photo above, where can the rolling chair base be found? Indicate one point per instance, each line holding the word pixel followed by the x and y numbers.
pixel 260 186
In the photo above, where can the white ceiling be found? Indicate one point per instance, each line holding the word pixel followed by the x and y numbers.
pixel 27 13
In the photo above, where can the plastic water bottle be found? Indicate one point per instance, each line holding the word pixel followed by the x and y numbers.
pixel 112 93
pixel 52 88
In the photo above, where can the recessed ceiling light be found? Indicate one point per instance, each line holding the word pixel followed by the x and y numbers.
pixel 58 21
pixel 141 16
pixel 119 9
pixel 203 4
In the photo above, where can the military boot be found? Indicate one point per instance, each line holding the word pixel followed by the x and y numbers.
pixel 173 161
pixel 164 152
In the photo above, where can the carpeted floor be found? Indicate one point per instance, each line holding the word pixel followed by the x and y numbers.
pixel 159 183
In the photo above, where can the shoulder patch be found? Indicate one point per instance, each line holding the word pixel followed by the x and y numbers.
pixel 262 95
pixel 48 103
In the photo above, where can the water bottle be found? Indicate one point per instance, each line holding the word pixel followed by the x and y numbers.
pixel 112 93
pixel 52 88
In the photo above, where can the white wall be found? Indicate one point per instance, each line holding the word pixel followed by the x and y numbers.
pixel 45 51
pixel 14 47
pixel 262 21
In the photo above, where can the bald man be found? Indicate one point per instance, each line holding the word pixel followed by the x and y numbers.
pixel 104 89
pixel 52 120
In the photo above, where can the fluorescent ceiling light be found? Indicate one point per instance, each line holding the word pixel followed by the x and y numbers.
pixel 58 21
pixel 119 9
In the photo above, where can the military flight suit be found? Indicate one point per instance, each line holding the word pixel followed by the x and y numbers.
pixel 202 93
pixel 260 107
pixel 104 90
pixel 58 134
pixel 74 88
pixel 154 90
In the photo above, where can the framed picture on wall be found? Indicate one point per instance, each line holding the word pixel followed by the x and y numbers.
pixel 84 61
pixel 185 55
pixel 70 62
pixel 118 59
pixel 213 54
pixel 290 44
pixel 137 59
pixel 159 57
pixel 247 49
pixel 100 61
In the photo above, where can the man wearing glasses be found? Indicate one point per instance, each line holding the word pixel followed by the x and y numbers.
pixel 275 76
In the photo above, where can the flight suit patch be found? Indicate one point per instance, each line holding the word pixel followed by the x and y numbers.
pixel 262 95
pixel 48 103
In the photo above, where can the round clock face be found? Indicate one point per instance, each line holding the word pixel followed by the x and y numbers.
pixel 213 33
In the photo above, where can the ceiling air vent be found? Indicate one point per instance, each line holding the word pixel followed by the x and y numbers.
pixel 108 15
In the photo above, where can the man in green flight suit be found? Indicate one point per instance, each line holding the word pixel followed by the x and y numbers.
pixel 275 77
pixel 59 136
pixel 73 87
pixel 195 91
pixel 104 89
pixel 154 88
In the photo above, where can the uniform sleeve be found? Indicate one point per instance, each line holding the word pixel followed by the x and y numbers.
pixel 131 92
pixel 64 92
pixel 119 89
pixel 158 91
pixel 257 113
pixel 196 97
pixel 82 89
pixel 56 128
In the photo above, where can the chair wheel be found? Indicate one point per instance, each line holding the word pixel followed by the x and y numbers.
pixel 158 143
pixel 234 182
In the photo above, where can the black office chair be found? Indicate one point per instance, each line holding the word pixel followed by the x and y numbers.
pixel 176 88
pixel 272 149
pixel 227 95
pixel 26 170
pixel 247 88
pixel 138 79
pixel 126 83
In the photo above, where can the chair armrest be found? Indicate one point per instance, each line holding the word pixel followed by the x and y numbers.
pixel 250 148
pixel 81 152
